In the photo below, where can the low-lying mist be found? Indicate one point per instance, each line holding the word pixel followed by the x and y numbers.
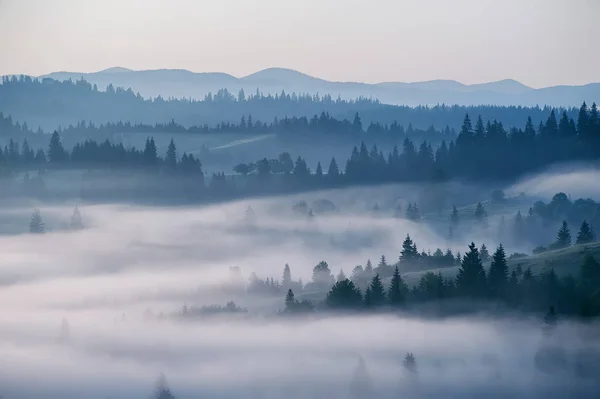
pixel 91 313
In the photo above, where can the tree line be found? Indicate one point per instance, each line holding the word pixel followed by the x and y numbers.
pixel 485 151
pixel 51 103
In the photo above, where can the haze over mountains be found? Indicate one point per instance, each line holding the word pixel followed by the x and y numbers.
pixel 180 83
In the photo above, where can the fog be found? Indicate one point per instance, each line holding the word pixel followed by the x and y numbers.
pixel 93 313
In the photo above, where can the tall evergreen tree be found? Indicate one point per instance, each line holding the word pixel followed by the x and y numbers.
pixel 471 279
pixel 286 281
pixel 409 251
pixel 563 238
pixel 76 222
pixel 171 156
pixel 36 223
pixel 319 171
pixel 56 151
pixel 480 213
pixel 586 234
pixel 397 290
pixel 162 390
pixel 333 170
pixel 377 291
pixel 498 274
pixel 484 254
pixel 290 301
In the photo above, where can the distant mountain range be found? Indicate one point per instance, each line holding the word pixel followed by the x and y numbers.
pixel 183 83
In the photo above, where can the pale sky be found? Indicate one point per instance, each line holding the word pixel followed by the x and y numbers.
pixel 538 42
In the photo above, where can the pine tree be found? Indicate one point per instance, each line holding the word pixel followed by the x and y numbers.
pixel 344 295
pixel 397 290
pixel 333 170
pixel 586 234
pixel 286 280
pixel 290 301
pixel 563 238
pixel 498 274
pixel 480 213
pixel 76 223
pixel 162 390
pixel 341 276
pixel 36 223
pixel 409 250
pixel 471 279
pixel 377 291
pixel 56 151
pixel 319 171
pixel 410 364
pixel 171 157
pixel 484 254
pixel 361 385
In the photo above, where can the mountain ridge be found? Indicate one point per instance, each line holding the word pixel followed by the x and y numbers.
pixel 182 83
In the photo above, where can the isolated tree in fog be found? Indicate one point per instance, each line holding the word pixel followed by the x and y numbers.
pixel 410 364
pixel 563 238
pixel 162 390
pixel 76 223
pixel 36 223
pixel 586 234
pixel 498 274
pixel 361 385
pixel 286 280
pixel 412 212
pixel 480 213
pixel 470 279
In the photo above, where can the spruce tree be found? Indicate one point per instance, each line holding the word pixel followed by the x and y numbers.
pixel 333 171
pixel 377 291
pixel 319 171
pixel 409 251
pixel 76 221
pixel 396 293
pixel 341 276
pixel 162 390
pixel 410 364
pixel 471 279
pixel 344 295
pixel 36 223
pixel 563 238
pixel 286 281
pixel 368 298
pixel 171 157
pixel 586 234
pixel 56 151
pixel 484 254
pixel 290 301
pixel 480 213
pixel 498 275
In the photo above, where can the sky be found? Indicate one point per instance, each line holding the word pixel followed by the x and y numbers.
pixel 536 42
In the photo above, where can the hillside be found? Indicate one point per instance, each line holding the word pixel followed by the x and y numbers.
pixel 564 262
pixel 181 83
